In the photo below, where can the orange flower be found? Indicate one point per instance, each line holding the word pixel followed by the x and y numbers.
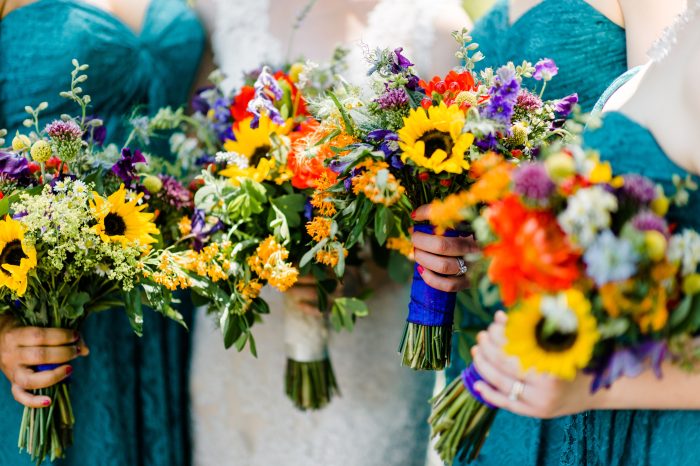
pixel 239 107
pixel 307 170
pixel 650 311
pixel 532 254
pixel 492 175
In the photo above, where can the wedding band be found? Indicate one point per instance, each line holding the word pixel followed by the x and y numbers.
pixel 517 391
pixel 462 268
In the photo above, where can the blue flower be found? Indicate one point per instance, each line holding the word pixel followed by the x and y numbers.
pixel 610 259
pixel 503 96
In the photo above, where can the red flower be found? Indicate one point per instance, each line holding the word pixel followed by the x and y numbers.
pixel 517 153
pixel 532 253
pixel 424 176
pixel 451 86
pixel 33 168
pixel 446 183
pixel 239 107
pixel 298 101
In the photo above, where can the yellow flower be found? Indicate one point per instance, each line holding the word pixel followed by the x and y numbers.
pixel 561 351
pixel 185 226
pixel 255 144
pixel 691 284
pixel 377 183
pixel 319 228
pixel 269 263
pixel 600 173
pixel 401 244
pixel 433 139
pixel 41 151
pixel 20 142
pixel 250 289
pixel 449 212
pixel 122 221
pixel 329 257
pixel 169 274
pixel 320 198
pixel 17 257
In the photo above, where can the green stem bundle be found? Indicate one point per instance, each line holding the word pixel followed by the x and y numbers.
pixel 310 385
pixel 426 347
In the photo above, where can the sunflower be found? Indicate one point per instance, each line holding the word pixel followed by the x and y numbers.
pixel 433 139
pixel 17 257
pixel 122 221
pixel 553 334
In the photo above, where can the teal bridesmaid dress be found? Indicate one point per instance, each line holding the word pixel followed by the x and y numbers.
pixel 610 438
pixel 589 50
pixel 130 395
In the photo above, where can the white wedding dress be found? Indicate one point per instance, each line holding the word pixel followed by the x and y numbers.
pixel 241 415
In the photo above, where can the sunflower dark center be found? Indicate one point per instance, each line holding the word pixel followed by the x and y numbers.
pixel 259 154
pixel 554 342
pixel 114 225
pixel 12 253
pixel 436 140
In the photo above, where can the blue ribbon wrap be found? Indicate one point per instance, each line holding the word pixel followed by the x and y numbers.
pixel 471 376
pixel 50 367
pixel 428 306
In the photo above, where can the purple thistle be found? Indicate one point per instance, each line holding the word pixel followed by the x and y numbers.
pixel 125 168
pixel 487 142
pixel 649 221
pixel 545 69
pixel 392 98
pixel 638 188
pixel 174 193
pixel 528 101
pixel 630 362
pixel 565 106
pixel 201 230
pixel 64 130
pixel 531 180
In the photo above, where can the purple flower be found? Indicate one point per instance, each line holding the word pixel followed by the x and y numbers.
pixel 125 168
pixel 206 159
pixel 59 130
pixel 200 103
pixel 95 134
pixel 487 142
pixel 174 193
pixel 565 106
pixel 532 180
pixel 392 98
pixel 13 167
pixel 387 140
pixel 545 69
pixel 638 188
pixel 528 100
pixel 503 96
pixel 267 84
pixel 308 210
pixel 267 91
pixel 401 63
pixel 338 166
pixel 649 221
pixel 201 230
pixel 630 362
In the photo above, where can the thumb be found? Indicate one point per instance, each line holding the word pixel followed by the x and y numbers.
pixel 421 214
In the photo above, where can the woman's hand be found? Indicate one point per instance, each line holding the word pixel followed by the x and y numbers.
pixel 23 348
pixel 542 396
pixel 304 295
pixel 439 257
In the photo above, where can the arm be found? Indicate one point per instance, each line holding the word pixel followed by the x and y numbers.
pixel 546 397
pixel 645 21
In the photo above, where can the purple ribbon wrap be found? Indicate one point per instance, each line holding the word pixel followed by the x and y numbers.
pixel 471 376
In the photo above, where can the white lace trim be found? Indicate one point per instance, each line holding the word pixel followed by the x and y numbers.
pixel 305 336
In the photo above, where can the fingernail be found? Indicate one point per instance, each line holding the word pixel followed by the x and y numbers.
pixel 420 269
pixel 76 335
pixel 69 370
pixel 413 214
pixel 46 402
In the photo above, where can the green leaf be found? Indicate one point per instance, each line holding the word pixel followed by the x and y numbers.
pixel 400 267
pixel 349 126
pixel 345 311
pixel 311 253
pixel 134 310
pixel 680 314
pixel 291 205
pixel 383 224
pixel 76 303
pixel 4 206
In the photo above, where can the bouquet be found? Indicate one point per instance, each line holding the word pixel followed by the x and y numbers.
pixel 414 141
pixel 252 215
pixel 590 272
pixel 73 241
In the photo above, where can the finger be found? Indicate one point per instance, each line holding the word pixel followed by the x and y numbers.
pixel 502 401
pixel 495 355
pixel 500 317
pixel 82 348
pixel 306 280
pixel 28 379
pixel 27 399
pixel 421 214
pixel 438 264
pixel 36 336
pixel 442 245
pixel 497 334
pixel 492 374
pixel 447 284
pixel 47 355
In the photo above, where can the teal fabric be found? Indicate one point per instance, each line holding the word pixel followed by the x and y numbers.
pixel 589 49
pixel 130 395
pixel 610 438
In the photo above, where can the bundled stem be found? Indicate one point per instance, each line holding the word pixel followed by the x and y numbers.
pixel 425 347
pixel 310 385
pixel 459 423
pixel 48 432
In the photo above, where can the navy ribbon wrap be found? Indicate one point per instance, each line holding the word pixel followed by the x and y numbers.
pixel 428 306
pixel 471 376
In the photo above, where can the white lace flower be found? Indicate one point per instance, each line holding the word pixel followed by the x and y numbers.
pixel 556 309
pixel 587 213
pixel 233 158
pixel 684 249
